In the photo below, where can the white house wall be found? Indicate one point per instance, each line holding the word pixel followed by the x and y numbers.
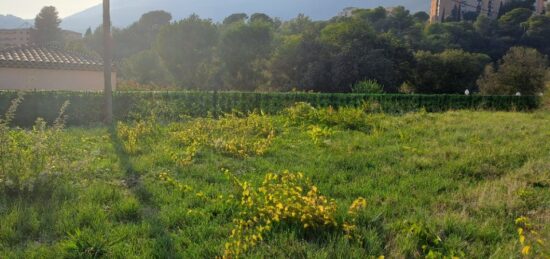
pixel 47 79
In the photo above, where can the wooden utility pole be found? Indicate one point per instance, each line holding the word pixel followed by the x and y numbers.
pixel 107 62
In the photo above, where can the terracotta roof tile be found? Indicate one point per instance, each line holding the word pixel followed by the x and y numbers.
pixel 47 58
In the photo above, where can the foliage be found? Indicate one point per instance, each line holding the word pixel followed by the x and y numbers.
pixel 31 159
pixel 452 71
pixel 344 117
pixel 255 52
pixel 146 68
pixel 429 179
pixel 243 52
pixel 522 70
pixel 169 106
pixel 286 199
pixel 138 37
pixel 82 244
pixel 510 24
pixel 531 241
pixel 135 136
pixel 186 50
pixel 46 26
pixel 238 137
pixel 367 87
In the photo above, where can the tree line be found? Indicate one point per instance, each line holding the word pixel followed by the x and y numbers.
pixel 389 50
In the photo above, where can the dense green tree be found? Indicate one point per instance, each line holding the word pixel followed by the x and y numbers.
pixel 141 35
pixel 236 17
pixel 522 70
pixel 510 24
pixel 515 4
pixel 399 20
pixel 138 37
pixel 358 53
pixel 449 35
pixel 299 25
pixel 46 27
pixel 537 33
pixel 260 52
pixel 470 16
pixel 452 71
pixel 421 17
pixel 243 51
pixel 301 62
pixel 146 68
pixel 186 48
pixel 261 17
pixel 88 32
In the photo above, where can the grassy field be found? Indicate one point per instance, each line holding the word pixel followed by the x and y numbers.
pixel 443 184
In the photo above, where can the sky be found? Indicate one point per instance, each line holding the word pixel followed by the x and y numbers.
pixel 28 9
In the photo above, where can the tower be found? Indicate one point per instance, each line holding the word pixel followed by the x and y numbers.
pixel 443 9
pixel 434 11
pixel 540 7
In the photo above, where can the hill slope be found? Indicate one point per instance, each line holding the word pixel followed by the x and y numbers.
pixel 125 12
pixel 13 22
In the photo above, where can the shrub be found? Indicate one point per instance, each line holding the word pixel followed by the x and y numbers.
pixel 521 70
pixel 30 159
pixel 367 87
pixel 450 72
pixel 230 135
pixel 344 117
pixel 286 199
pixel 171 106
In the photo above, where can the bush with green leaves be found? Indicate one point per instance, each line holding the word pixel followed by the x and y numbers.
pixel 522 70
pixel 31 159
pixel 367 87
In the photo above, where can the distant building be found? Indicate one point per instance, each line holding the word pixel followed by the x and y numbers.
pixel 40 68
pixel 540 6
pixel 458 9
pixel 10 38
pixel 71 35
pixel 14 37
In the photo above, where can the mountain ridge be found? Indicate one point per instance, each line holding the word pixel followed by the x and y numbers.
pixel 124 12
pixel 13 22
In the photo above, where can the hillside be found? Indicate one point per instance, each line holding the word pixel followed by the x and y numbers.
pixel 126 12
pixel 13 22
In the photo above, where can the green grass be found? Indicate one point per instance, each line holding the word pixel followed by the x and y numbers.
pixel 462 178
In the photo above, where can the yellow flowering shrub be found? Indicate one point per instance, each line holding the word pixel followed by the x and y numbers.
pixel 350 227
pixel 168 180
pixel 532 243
pixel 347 118
pixel 231 135
pixel 133 136
pixel 31 160
pixel 287 198
pixel 318 133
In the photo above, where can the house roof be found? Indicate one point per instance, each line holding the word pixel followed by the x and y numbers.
pixel 48 58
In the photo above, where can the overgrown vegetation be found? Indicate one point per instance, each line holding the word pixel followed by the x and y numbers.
pixel 454 184
pixel 170 106
pixel 256 52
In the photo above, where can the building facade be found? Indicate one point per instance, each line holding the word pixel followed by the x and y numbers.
pixel 14 37
pixel 71 35
pixel 442 10
pixel 10 38
pixel 34 68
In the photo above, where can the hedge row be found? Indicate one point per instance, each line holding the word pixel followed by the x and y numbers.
pixel 86 108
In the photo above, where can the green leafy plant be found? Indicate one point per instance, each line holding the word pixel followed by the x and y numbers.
pixel 85 244
pixel 367 87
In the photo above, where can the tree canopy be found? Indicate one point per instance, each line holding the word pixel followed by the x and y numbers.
pixel 391 47
pixel 46 27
